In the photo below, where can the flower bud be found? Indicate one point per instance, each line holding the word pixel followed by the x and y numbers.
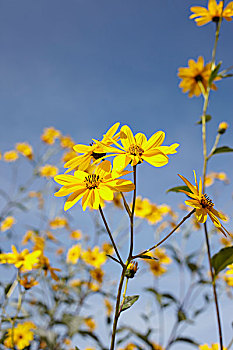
pixel 223 126
pixel 131 269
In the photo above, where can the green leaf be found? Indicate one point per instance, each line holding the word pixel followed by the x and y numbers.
pixel 214 73
pixel 222 259
pixel 178 188
pixel 223 149
pixel 181 315
pixel 207 119
pixel 186 340
pixel 129 301
pixel 148 257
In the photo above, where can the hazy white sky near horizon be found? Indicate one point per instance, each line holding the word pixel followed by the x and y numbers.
pixel 80 66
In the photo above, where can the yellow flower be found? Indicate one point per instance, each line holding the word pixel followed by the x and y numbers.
pixel 21 335
pixel 48 170
pixel 94 257
pixel 97 274
pixel 129 346
pixel 28 283
pixel 107 248
pixel 29 235
pixel 91 188
pixel 213 347
pixel 203 204
pixel 10 156
pixel 157 347
pixel 90 323
pixel 25 149
pixel 136 149
pixel 108 306
pixel 77 234
pixel 92 152
pixel 193 75
pixel 58 222
pixel 209 180
pixel 25 261
pixel 203 15
pixel 7 223
pixel 44 263
pixel 50 135
pixel 73 254
pixel 66 142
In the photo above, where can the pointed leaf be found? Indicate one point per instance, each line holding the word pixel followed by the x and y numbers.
pixel 178 188
pixel 207 119
pixel 214 73
pixel 129 301
pixel 222 259
pixel 148 257
pixel 223 149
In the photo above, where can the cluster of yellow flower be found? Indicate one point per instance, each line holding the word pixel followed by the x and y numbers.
pixel 157 266
pixel 20 336
pixel 195 77
pixel 95 181
pixel 153 213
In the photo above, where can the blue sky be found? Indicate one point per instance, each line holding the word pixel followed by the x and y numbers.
pixel 80 66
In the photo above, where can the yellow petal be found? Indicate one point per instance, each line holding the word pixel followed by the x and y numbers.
pixel 157 160
pixel 155 140
pixel 127 138
pixel 120 162
pixel 106 193
pixel 201 215
pixel 74 198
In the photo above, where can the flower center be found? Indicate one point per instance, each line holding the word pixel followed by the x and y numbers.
pixel 198 78
pixel 98 155
pixel 215 19
pixel 206 202
pixel 92 181
pixel 135 150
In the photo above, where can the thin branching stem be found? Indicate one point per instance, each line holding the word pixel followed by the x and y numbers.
pixel 214 288
pixel 110 235
pixel 132 216
pixel 165 238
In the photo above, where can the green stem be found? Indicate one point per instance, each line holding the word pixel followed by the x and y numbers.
pixel 110 235
pixel 116 316
pixel 165 238
pixel 132 216
pixel 214 288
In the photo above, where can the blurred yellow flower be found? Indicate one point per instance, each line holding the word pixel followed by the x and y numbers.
pixel 28 283
pixel 20 337
pixel 97 274
pixel 136 149
pixel 50 135
pixel 73 254
pixel 58 222
pixel 24 261
pixel 203 204
pixel 157 347
pixel 94 257
pixel 77 234
pixel 66 142
pixel 213 347
pixel 92 152
pixel 67 156
pixel 107 248
pixel 91 188
pixel 10 156
pixel 156 266
pixel 193 75
pixel 90 323
pixel 109 307
pixel 25 149
pixel 211 177
pixel 129 346
pixel 48 170
pixel 223 126
pixel 44 263
pixel 7 223
pixel 203 15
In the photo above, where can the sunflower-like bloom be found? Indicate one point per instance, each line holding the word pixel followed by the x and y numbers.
pixel 193 75
pixel 92 152
pixel 92 188
pixel 203 204
pixel 136 149
pixel 213 13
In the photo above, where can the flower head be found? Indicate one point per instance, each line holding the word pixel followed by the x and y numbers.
pixel 20 337
pixel 92 188
pixel 48 170
pixel 213 13
pixel 203 204
pixel 136 149
pixel 25 149
pixel 7 223
pixel 94 257
pixel 10 156
pixel 93 152
pixel 74 254
pixel 50 135
pixel 213 347
pixel 195 74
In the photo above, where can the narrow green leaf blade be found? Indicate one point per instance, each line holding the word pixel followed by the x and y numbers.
pixel 222 259
pixel 178 188
pixel 129 301
pixel 207 119
pixel 214 73
pixel 223 149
